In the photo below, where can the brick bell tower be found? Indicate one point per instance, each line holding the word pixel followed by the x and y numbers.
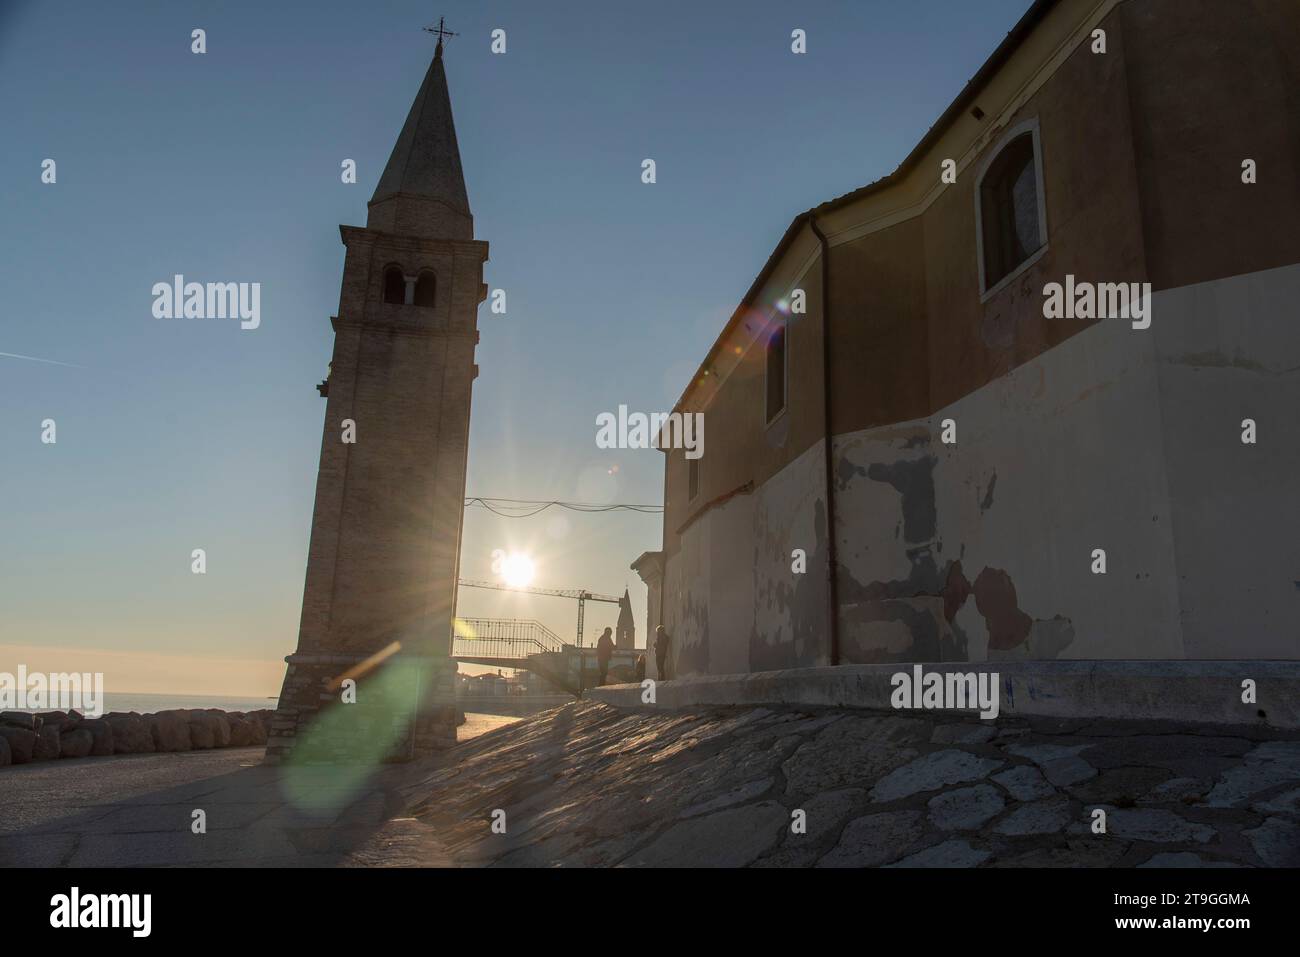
pixel 380 592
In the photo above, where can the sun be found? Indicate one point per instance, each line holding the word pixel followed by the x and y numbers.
pixel 518 570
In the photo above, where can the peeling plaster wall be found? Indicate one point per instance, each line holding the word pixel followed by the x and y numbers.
pixel 686 599
pixel 789 625
pixel 731 581
pixel 1230 350
pixel 891 581
pixel 732 604
pixel 1120 439
pixel 1076 443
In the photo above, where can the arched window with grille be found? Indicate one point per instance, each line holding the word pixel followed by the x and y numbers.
pixel 1010 209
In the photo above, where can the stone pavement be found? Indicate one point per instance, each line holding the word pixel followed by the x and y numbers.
pixel 590 785
pixel 137 810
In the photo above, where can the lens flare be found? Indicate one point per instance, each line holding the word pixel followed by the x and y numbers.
pixel 518 570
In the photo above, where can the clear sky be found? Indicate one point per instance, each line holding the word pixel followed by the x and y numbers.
pixel 225 167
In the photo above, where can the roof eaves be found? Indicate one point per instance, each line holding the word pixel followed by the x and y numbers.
pixel 1032 17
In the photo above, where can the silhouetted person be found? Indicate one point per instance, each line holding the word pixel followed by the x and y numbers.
pixel 604 649
pixel 640 668
pixel 661 652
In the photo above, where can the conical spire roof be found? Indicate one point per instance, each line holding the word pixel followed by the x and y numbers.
pixel 422 189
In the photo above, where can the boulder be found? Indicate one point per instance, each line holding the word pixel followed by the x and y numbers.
pixel 220 726
pixel 102 733
pixel 47 744
pixel 131 734
pixel 21 741
pixel 241 730
pixel 75 743
pixel 5 756
pixel 63 720
pixel 170 730
pixel 20 719
pixel 202 733
pixel 261 724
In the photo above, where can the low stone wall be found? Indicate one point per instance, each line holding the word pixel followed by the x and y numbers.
pixel 1205 692
pixel 56 734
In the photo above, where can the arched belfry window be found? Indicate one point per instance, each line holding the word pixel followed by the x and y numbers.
pixel 426 288
pixel 1010 210
pixel 394 285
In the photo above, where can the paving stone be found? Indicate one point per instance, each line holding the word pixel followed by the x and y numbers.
pixel 790 724
pixel 932 772
pixel 965 809
pixel 740 794
pixel 732 838
pixel 854 752
pixel 1119 786
pixel 1077 853
pixel 692 783
pixel 789 856
pixel 1184 859
pixel 1024 783
pixel 612 851
pixel 947 854
pixel 1287 803
pixel 1185 755
pixel 961 733
pixel 549 852
pixel 826 813
pixel 730 725
pixel 1268 765
pixel 1277 842
pixel 401 842
pixel 1176 790
pixel 875 839
pixel 1061 764
pixel 1041 817
pixel 1156 825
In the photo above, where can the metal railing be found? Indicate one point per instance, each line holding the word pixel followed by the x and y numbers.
pixel 513 638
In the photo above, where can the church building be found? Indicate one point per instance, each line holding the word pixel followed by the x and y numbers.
pixel 915 455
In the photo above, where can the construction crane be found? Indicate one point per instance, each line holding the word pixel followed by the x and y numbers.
pixel 580 594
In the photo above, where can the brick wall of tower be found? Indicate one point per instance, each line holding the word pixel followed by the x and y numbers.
pixel 384 552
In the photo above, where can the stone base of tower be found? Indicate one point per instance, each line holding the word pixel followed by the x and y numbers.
pixel 402 709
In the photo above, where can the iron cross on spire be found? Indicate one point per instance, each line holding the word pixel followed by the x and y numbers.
pixel 440 31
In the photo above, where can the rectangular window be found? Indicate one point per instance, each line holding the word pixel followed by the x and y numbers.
pixel 776 372
pixel 692 479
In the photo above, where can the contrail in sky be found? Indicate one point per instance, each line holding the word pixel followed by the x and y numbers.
pixel 53 362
